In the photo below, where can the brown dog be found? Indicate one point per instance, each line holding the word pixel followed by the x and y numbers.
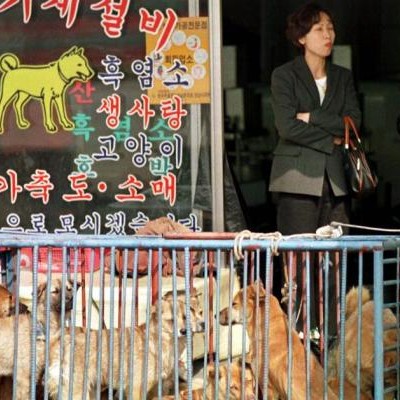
pixel 8 302
pixel 278 347
pixel 349 390
pixel 235 384
pixel 390 338
pixel 138 354
pixel 157 227
pixel 25 328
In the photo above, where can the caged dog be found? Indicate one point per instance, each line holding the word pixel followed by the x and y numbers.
pixel 277 346
pixel 229 382
pixel 349 390
pixel 390 341
pixel 7 308
pixel 24 350
pixel 47 83
pixel 133 381
pixel 8 303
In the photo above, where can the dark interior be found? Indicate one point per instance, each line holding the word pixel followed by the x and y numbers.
pixel 368 39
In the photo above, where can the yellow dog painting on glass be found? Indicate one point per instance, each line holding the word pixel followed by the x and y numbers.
pixel 46 83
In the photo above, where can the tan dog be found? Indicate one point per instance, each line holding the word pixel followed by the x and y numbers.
pixel 138 353
pixel 7 308
pixel 8 302
pixel 235 385
pixel 278 347
pixel 24 336
pixel 390 338
pixel 48 83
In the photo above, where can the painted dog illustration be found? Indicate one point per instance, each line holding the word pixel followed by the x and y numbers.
pixel 47 83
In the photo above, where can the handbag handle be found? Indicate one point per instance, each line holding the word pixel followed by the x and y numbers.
pixel 349 123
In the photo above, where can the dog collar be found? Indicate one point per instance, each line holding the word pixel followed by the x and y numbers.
pixel 62 76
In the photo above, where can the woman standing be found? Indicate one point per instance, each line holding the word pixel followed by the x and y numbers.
pixel 310 97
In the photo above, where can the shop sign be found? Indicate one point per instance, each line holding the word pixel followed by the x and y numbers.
pixel 83 149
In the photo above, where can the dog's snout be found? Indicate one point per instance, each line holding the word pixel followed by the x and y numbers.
pixel 23 309
pixel 223 317
pixel 182 331
pixel 201 326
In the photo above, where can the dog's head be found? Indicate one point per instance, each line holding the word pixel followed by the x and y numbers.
pixel 352 299
pixel 196 313
pixel 239 304
pixel 75 66
pixel 8 304
pixel 235 385
pixel 58 297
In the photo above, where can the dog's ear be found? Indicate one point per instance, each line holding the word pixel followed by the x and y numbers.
pixel 248 359
pixel 70 52
pixel 41 288
pixel 259 283
pixel 259 286
pixel 71 282
pixel 211 371
pixel 389 359
pixel 194 292
pixel 352 299
pixel 180 292
pixel 168 295
pixel 153 308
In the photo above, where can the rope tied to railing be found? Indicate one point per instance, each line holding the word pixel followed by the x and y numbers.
pixel 324 232
pixel 329 232
pixel 275 238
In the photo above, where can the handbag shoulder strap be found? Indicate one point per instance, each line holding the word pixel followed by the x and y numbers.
pixel 349 124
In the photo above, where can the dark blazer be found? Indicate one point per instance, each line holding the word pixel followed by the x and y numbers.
pixel 305 151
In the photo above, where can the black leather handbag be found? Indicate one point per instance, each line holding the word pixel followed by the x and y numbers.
pixel 361 178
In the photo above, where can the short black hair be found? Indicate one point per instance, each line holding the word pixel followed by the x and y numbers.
pixel 300 22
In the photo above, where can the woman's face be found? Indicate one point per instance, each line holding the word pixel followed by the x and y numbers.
pixel 319 40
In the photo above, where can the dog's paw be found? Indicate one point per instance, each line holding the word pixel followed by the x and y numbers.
pixel 182 370
pixel 24 124
pixel 51 128
pixel 68 125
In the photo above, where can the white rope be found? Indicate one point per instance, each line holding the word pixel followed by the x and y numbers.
pixel 275 238
pixel 332 231
pixel 335 224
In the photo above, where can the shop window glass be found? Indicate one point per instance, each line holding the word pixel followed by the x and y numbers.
pixel 96 99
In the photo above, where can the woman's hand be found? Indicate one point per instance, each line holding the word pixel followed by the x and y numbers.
pixel 338 141
pixel 305 117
